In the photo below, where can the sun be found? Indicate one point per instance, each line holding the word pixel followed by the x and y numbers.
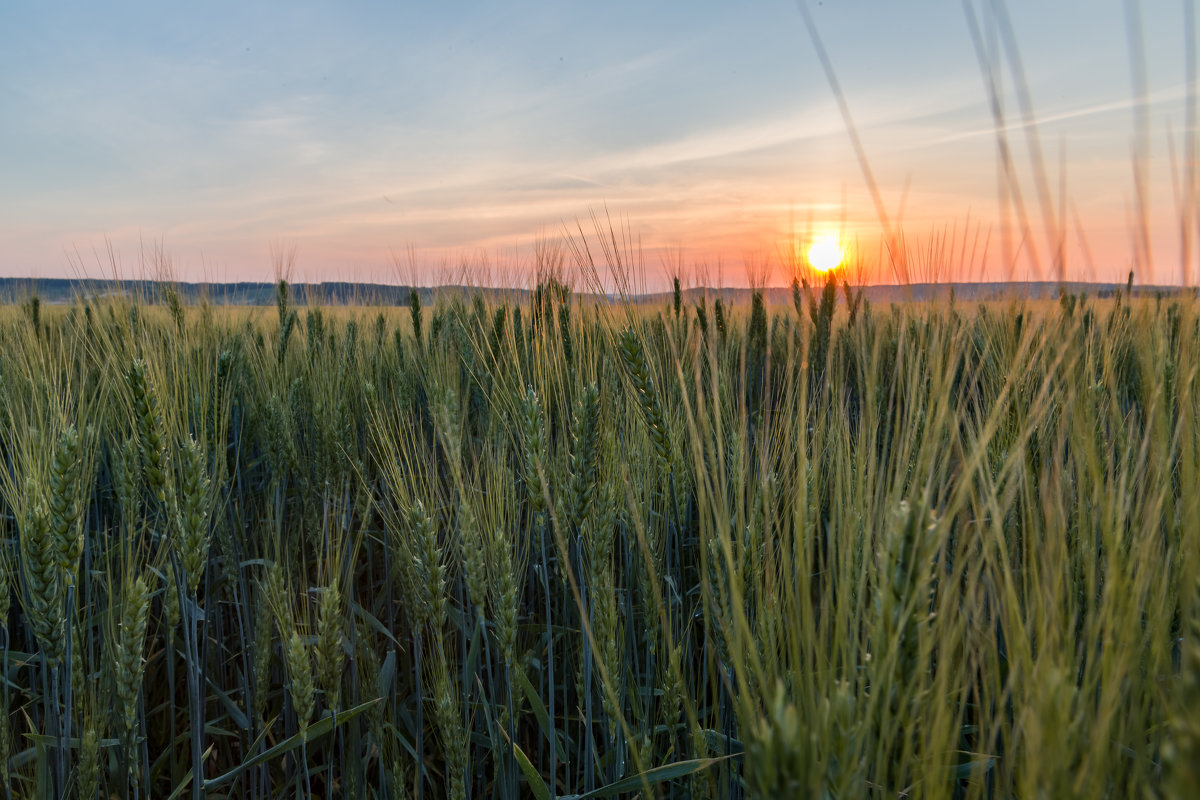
pixel 825 253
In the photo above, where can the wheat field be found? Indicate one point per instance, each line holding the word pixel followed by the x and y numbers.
pixel 570 546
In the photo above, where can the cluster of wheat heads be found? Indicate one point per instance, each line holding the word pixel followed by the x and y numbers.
pixel 559 546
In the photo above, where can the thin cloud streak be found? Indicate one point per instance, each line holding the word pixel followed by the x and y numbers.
pixel 1172 94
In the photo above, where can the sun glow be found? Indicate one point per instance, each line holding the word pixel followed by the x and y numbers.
pixel 825 253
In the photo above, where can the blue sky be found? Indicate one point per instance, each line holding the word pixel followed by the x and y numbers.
pixel 362 132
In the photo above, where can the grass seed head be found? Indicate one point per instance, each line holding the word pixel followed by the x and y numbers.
pixel 330 655
pixel 533 436
pixel 150 427
pixel 127 662
pixel 44 602
pixel 585 432
pixel 634 357
pixel 300 674
pixel 193 513
pixel 65 492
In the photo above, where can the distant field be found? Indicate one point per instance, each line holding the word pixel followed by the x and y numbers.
pixel 807 545
pixel 64 292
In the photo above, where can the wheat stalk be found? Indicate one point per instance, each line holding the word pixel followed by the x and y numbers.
pixel 128 666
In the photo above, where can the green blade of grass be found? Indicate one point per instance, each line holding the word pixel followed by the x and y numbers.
pixel 537 784
pixel 315 731
pixel 667 772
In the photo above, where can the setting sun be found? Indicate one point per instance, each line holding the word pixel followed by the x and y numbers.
pixel 825 253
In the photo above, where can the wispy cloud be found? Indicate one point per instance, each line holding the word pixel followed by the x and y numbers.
pixel 1121 106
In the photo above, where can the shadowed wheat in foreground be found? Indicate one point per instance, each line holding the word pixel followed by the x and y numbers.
pixel 574 547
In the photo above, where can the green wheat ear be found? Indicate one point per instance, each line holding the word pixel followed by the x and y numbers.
pixel 193 513
pixel 127 472
pixel 533 439
pixel 262 646
pixel 128 665
pixel 149 421
pixel 414 308
pixel 504 588
pixel 285 336
pixel 448 713
pixel 300 674
pixel 39 557
pixel 472 545
pixel 584 433
pixel 89 760
pixel 634 358
pixel 330 656
pixel 780 761
pixel 65 490
pixel 429 576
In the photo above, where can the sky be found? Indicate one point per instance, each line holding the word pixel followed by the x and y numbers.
pixel 430 142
